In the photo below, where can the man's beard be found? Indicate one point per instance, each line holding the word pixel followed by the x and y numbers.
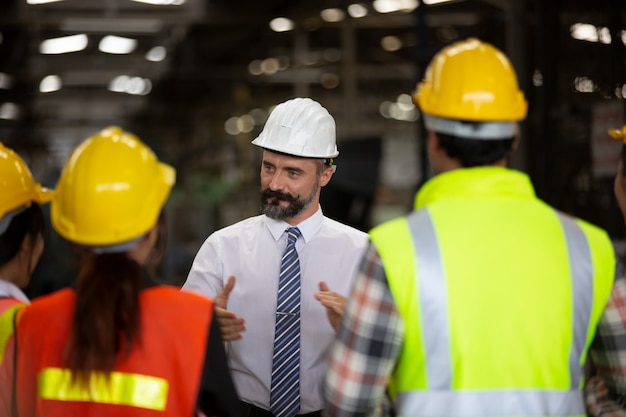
pixel 270 203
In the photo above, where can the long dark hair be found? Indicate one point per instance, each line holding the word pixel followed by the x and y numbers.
pixel 107 316
pixel 29 222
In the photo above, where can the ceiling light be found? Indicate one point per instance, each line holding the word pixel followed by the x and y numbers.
pixel 41 1
pixel 258 115
pixel 357 10
pixel 281 24
pixel 332 15
pixel 6 81
pixel 112 44
pixel 162 2
pixel 9 111
pixel 584 85
pixel 245 123
pixel 156 54
pixel 255 67
pixel 329 80
pixel 269 66
pixel 63 45
pixel 391 43
pixel 231 126
pixel 584 32
pixel 390 6
pixel 537 78
pixel 431 2
pixel 50 83
pixel 130 85
pixel 405 102
pixel 604 34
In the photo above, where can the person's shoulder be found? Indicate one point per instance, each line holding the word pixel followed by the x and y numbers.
pixel 242 227
pixel 590 229
pixel 49 307
pixel 57 297
pixel 336 227
pixel 175 294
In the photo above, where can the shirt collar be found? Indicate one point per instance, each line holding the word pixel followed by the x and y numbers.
pixel 10 290
pixel 308 227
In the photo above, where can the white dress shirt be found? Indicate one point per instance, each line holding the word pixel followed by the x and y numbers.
pixel 10 290
pixel 251 250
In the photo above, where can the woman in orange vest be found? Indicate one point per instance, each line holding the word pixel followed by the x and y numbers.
pixel 22 227
pixel 118 344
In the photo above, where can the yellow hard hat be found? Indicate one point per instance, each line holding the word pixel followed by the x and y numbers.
pixel 17 186
pixel 471 80
pixel 111 190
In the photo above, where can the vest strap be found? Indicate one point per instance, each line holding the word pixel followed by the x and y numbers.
pixel 500 403
pixel 7 327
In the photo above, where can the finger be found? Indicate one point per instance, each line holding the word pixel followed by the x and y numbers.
pixel 230 284
pixel 222 313
pixel 231 328
pixel 323 286
pixel 221 300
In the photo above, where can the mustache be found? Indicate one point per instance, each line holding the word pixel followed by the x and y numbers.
pixel 268 194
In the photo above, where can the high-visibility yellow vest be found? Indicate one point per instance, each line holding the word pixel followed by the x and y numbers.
pixel 500 295
pixel 8 310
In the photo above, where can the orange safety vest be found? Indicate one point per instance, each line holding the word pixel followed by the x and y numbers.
pixel 160 376
pixel 8 310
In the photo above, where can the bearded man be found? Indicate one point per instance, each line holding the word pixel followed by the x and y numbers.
pixel 271 275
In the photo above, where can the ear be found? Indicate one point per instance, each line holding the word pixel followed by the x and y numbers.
pixel 432 145
pixel 27 244
pixel 327 174
pixel 515 142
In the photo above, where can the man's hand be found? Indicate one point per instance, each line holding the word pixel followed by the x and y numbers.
pixel 230 324
pixel 333 302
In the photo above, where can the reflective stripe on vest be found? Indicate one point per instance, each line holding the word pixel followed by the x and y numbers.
pixel 6 327
pixel 440 399
pixel 133 390
pixel 533 403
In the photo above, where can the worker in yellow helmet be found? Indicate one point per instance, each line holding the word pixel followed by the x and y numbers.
pixel 118 343
pixel 22 227
pixel 482 301
pixel 606 388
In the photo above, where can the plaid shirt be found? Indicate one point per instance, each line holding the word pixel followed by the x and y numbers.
pixel 367 346
pixel 605 391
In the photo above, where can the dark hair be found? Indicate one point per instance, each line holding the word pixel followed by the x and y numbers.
pixel 473 152
pixel 107 316
pixel 30 222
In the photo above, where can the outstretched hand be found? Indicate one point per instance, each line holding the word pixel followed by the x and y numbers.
pixel 333 302
pixel 230 324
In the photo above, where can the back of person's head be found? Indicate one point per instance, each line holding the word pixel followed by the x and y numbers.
pixel 300 127
pixel 110 195
pixel 111 191
pixel 470 97
pixel 21 216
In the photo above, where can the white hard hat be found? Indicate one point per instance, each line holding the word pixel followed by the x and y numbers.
pixel 300 127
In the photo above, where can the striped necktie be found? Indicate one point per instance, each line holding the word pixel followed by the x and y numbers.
pixel 285 389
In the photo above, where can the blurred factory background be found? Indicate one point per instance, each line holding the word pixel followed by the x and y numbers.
pixel 196 79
